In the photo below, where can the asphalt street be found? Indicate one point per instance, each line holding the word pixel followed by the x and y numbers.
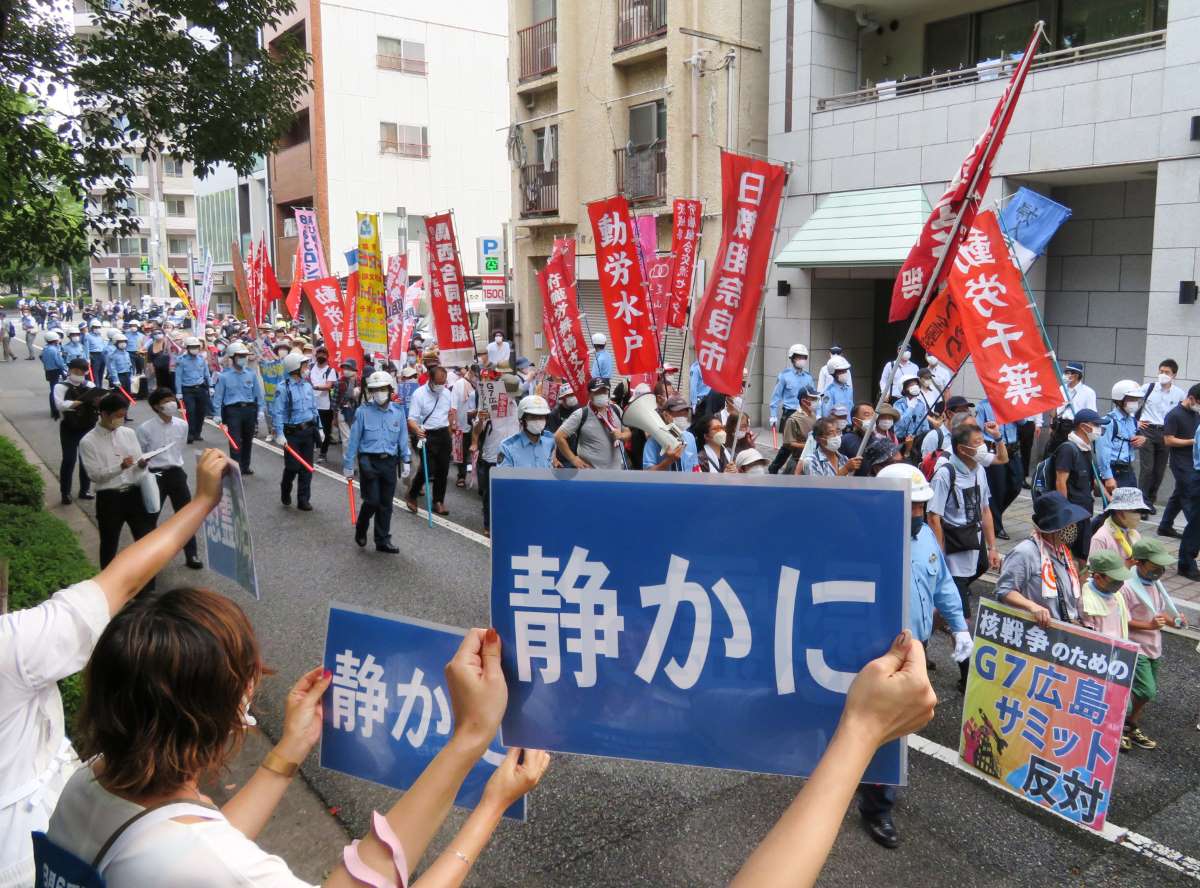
pixel 597 822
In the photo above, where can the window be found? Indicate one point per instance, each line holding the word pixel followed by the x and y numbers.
pixel 128 246
pixel 544 9
pixel 948 44
pixel 177 246
pixel 1005 30
pixel 176 206
pixel 546 147
pixel 1094 21
pixel 400 55
pixel 298 133
pixel 172 166
pixel 647 123
pixel 410 141
pixel 289 227
pixel 135 164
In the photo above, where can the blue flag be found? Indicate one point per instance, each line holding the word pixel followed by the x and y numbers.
pixel 1030 220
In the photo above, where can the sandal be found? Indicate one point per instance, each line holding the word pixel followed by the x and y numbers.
pixel 439 509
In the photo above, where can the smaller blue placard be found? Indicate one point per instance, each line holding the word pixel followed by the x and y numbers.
pixel 387 712
pixel 227 537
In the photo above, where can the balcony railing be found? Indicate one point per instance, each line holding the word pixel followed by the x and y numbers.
pixel 539 189
pixel 639 20
pixel 400 63
pixel 404 149
pixel 642 172
pixel 996 69
pixel 539 49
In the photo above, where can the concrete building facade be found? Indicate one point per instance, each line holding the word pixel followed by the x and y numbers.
pixel 892 95
pixel 613 97
pixel 231 209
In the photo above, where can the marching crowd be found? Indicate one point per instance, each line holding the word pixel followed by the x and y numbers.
pixel 963 467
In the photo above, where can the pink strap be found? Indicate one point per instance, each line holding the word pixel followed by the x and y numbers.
pixel 363 873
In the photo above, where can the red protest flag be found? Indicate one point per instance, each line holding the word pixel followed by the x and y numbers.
pixel 658 285
pixel 351 345
pixel 566 246
pixel 621 286
pixel 271 287
pixel 723 328
pixel 447 293
pixel 562 325
pixel 926 266
pixel 686 220
pixel 941 331
pixel 292 302
pixel 239 285
pixel 325 296
pixel 1004 336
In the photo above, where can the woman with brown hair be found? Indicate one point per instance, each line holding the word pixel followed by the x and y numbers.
pixel 167 690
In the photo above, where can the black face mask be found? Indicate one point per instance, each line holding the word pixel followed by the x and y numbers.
pixel 916 522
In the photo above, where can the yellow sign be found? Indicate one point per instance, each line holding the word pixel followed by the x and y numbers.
pixel 370 310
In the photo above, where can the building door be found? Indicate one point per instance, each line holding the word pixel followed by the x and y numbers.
pixel 886 338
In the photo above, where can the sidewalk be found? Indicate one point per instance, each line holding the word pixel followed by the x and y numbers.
pixel 302 831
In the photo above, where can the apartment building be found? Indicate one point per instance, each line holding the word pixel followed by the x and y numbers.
pixel 622 96
pixel 407 111
pixel 878 103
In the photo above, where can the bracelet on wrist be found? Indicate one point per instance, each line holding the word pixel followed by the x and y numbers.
pixel 277 764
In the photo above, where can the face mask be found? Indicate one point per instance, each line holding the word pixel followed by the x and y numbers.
pixel 570 403
pixel 535 426
pixel 839 424
pixel 121 346
pixel 499 339
pixel 410 360
pixel 381 398
pixel 74 338
pixel 906 356
pixel 600 401
pixel 833 442
pixel 840 377
pixel 1151 573
pixel 883 425
pixel 239 362
pixel 1131 409
pixel 979 452
pixel 756 470
pixel 1094 434
pixel 800 363
pixel 193 351
pixel 436 388
pixel 347 374
pixel 719 438
pixel 76 378
pixel 986 459
pixel 681 423
pixel 168 408
pixel 912 391
pixel 1165 379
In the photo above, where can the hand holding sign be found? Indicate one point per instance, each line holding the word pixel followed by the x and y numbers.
pixel 891 696
pixel 303 714
pixel 478 694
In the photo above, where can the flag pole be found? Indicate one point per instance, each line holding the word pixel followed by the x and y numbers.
pixel 952 240
pixel 687 322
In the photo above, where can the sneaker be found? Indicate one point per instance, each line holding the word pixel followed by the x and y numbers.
pixel 1138 736
pixel 1127 744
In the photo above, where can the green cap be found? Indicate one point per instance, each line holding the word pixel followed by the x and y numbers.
pixel 1109 563
pixel 1152 551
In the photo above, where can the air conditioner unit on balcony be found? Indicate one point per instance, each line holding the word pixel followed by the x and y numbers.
pixel 634 25
pixel 548 57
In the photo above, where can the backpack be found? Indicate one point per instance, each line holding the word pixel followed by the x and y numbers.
pixel 83 418
pixel 929 461
pixel 1043 477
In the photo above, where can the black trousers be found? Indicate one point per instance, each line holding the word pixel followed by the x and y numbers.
pixel 115 509
pixel 437 454
pixel 377 478
pixel 1123 475
pixel 1175 501
pixel 484 468
pixel 327 428
pixel 241 421
pixel 123 379
pixel 875 800
pixel 97 361
pixel 1004 484
pixel 173 486
pixel 1154 462
pixel 195 402
pixel 139 367
pixel 52 377
pixel 69 440
pixel 784 451
pixel 1026 432
pixel 303 440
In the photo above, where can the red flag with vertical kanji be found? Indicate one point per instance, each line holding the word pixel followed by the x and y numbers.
pixel 325 296
pixel 941 235
pixel 686 219
pixel 447 293
pixel 622 288
pixel 562 325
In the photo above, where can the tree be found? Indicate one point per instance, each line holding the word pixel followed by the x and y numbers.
pixel 184 78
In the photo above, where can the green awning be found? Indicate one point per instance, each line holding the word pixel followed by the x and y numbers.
pixel 870 228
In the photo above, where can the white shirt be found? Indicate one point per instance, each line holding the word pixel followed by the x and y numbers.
pixel 38 646
pixel 941 375
pixel 498 353
pixel 208 854
pixel 464 402
pixel 1160 402
pixel 1083 397
pixel 429 410
pixel 60 394
pixel 904 369
pixel 319 376
pixel 102 452
pixel 154 433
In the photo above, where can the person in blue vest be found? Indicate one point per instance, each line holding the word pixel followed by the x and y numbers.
pixel 931 587
pixel 192 382
pixel 840 391
pixel 698 388
pixel 96 346
pixel 788 385
pixel 297 425
pixel 117 363
pixel 55 366
pixel 683 457
pixel 378 441
pixel 238 399
pixel 1120 438
pixel 602 360
pixel 533 446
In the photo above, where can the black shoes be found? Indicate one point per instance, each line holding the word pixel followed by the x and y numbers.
pixel 247 471
pixel 194 563
pixel 304 507
pixel 1002 534
pixel 1192 573
pixel 1167 532
pixel 387 548
pixel 882 830
pixel 286 497
pixel 360 537
pixel 87 496
pixel 66 500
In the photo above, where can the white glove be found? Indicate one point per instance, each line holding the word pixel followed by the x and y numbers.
pixel 774 419
pixel 280 440
pixel 348 474
pixel 962 646
pixel 407 470
pixel 320 435
pixel 261 419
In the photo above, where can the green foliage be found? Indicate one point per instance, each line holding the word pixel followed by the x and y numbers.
pixel 20 483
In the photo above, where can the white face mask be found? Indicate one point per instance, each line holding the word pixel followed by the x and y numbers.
pixel 1131 408
pixel 833 442
pixel 76 378
pixel 756 470
pixel 239 362
pixel 600 401
pixel 535 426
pixel 985 458
pixel 906 356
pixel 193 351
pixel 121 346
pixel 1165 378
pixel 883 425
pixel 719 438
pixel 347 374
pixel 436 387
pixel 799 363
pixel 1094 434
pixel 168 408
pixel 571 403
pixel 841 376
pixel 912 391
pixel 681 423
pixel 980 452
pixel 381 398
pixel 931 360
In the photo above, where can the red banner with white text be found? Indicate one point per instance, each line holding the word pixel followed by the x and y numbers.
pixel 658 285
pixel 723 327
pixel 687 218
pixel 325 296
pixel 1003 335
pixel 939 234
pixel 621 287
pixel 562 325
pixel 447 294
pixel 352 346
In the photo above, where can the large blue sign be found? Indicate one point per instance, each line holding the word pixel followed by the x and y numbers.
pixel 227 539
pixel 387 712
pixel 701 619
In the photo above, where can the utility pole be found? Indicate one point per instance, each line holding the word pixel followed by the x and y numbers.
pixel 154 174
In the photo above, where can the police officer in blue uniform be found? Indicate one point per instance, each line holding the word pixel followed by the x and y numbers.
pixel 298 425
pixel 788 386
pixel 74 348
pixel 55 366
pixel 1120 438
pixel 136 348
pixel 117 363
pixel 192 381
pixel 602 359
pixel 378 439
pixel 96 346
pixel 533 446
pixel 238 399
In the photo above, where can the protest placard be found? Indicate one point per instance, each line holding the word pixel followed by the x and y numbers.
pixel 227 534
pixel 387 712
pixel 1044 711
pixel 727 641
